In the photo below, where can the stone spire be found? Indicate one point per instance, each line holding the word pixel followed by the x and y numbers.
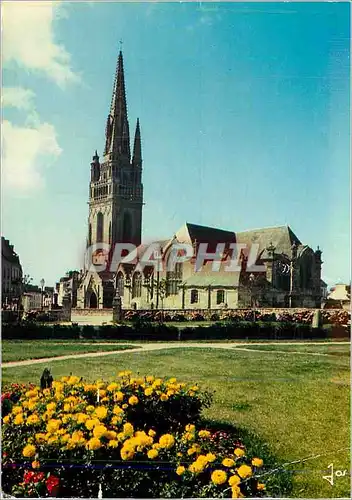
pixel 117 128
pixel 137 148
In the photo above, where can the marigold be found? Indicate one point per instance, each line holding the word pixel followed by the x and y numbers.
pixel 164 397
pixel 152 454
pixel 148 391
pixel 111 435
pixel 150 379
pixel 210 457
pixel 99 431
pixel 219 476
pixel 35 464
pixel 6 419
pixel 133 400
pixel 92 422
pixel 151 433
pixel 51 406
pixel 93 444
pixel 117 410
pixel 260 486
pixel 16 410
pixel 180 470
pixel 101 412
pixel 127 453
pixel 90 409
pixel 244 471
pixel 18 420
pixel 40 437
pixel 257 462
pixel 32 420
pixel 128 429
pixel 234 480
pixel 236 492
pixel 113 443
pixel 118 396
pixel 53 425
pixel 167 441
pixel 112 386
pixel 29 451
pixel 228 462
pixel 204 434
pixel 239 452
pixel 190 428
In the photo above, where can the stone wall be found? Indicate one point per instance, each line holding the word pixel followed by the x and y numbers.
pixel 91 316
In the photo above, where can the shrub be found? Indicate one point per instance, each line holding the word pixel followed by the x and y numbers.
pixel 63 441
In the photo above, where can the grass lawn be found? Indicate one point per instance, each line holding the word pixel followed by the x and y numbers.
pixel 19 350
pixel 298 404
pixel 333 349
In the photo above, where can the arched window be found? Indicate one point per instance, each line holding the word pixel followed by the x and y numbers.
pixel 174 279
pixel 110 235
pixel 194 296
pixel 90 234
pixel 137 285
pixel 120 284
pixel 220 297
pixel 127 227
pixel 100 227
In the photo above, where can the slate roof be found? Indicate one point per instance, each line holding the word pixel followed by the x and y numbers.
pixel 282 237
pixel 205 234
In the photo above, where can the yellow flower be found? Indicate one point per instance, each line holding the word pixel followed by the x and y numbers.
pixel 194 388
pixel 90 409
pixel 32 420
pixel 257 462
pixel 148 391
pixel 191 393
pixel 31 405
pixel 73 380
pixel 18 419
pixel 101 412
pixel 16 410
pixel 239 452
pixel 31 394
pixel 219 476
pixel 6 419
pixel 112 386
pixel 117 410
pixel 190 428
pixel 118 396
pixel 93 444
pixel 128 429
pixel 164 397
pixel 99 431
pixel 127 453
pixel 204 434
pixel 210 457
pixel 167 441
pixel 67 407
pixel 172 380
pixel 53 425
pixel 180 470
pixel 92 422
pixel 82 417
pixel 152 454
pixel 35 464
pixel 51 406
pixel 124 406
pixel 29 451
pixel 40 437
pixel 157 383
pixel 234 480
pixel 116 420
pixel 151 433
pixel 244 471
pixel 113 443
pixel 197 467
pixel 111 435
pixel 260 486
pixel 236 492
pixel 133 400
pixel 228 462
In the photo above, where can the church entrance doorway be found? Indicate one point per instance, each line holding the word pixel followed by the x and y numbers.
pixel 93 301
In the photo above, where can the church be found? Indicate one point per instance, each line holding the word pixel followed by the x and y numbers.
pixel 286 272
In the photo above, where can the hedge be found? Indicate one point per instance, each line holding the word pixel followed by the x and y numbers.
pixel 144 331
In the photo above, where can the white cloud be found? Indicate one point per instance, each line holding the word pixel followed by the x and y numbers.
pixel 17 97
pixel 28 39
pixel 24 151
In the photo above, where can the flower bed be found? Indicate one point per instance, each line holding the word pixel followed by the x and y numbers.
pixel 134 437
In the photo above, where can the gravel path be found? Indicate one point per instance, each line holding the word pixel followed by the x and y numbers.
pixel 159 346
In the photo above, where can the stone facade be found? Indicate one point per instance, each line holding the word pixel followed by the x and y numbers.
pixel 291 271
pixel 11 274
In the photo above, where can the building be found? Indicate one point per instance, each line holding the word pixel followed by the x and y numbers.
pixel 289 272
pixel 32 300
pixel 67 285
pixel 11 275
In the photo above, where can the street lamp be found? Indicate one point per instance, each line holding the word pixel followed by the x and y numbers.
pixel 42 283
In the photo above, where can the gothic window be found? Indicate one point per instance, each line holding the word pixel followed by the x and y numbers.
pixel 136 285
pixel 194 296
pixel 120 283
pixel 127 227
pixel 100 227
pixel 220 297
pixel 174 279
pixel 90 234
pixel 110 240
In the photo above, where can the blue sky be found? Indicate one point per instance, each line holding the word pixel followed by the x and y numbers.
pixel 244 112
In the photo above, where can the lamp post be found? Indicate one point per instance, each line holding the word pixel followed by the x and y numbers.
pixel 42 283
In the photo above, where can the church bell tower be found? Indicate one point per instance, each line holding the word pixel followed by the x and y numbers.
pixel 116 189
